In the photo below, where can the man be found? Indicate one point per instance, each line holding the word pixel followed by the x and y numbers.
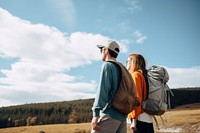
pixel 106 119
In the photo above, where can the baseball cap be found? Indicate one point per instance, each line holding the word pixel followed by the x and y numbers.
pixel 110 44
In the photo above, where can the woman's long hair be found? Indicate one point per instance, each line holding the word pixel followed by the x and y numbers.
pixel 138 63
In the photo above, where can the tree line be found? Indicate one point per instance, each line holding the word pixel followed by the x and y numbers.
pixel 76 111
pixel 184 96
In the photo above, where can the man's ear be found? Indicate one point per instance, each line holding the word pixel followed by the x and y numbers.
pixel 106 51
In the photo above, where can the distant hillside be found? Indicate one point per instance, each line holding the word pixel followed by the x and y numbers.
pixel 184 96
pixel 77 111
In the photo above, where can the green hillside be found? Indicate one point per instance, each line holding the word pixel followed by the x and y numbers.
pixel 77 111
pixel 184 96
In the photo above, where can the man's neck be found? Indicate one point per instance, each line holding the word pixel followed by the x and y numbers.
pixel 110 58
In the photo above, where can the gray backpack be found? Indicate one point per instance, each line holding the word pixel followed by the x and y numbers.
pixel 156 102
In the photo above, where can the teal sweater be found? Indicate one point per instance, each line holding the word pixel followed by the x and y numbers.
pixel 110 78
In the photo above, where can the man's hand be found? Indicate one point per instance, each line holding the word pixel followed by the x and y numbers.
pixel 94 124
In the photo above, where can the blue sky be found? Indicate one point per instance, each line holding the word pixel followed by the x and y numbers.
pixel 48 47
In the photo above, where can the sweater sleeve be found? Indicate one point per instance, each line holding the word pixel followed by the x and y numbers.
pixel 103 90
pixel 141 90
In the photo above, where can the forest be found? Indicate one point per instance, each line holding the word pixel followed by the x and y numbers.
pixel 76 111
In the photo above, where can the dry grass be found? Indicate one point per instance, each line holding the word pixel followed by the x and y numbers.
pixel 57 128
pixel 186 118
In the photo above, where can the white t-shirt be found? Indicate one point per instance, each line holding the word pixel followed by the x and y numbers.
pixel 144 117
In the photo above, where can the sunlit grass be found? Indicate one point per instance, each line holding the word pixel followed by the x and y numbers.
pixel 185 118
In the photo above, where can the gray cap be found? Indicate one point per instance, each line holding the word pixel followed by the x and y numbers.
pixel 110 44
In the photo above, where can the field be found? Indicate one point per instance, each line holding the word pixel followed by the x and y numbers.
pixel 183 119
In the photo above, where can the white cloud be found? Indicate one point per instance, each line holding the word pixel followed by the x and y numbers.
pixel 45 45
pixel 5 102
pixel 133 6
pixel 140 38
pixel 45 55
pixel 184 77
pixel 125 43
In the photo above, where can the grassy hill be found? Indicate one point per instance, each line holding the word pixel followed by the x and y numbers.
pixel 183 119
pixel 184 96
pixel 76 111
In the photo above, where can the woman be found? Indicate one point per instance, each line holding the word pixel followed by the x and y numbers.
pixel 141 121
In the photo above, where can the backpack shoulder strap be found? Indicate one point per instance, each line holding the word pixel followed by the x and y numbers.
pixel 147 84
pixel 119 65
pixel 147 88
pixel 121 69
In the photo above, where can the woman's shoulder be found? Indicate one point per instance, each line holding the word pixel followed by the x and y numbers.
pixel 137 74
